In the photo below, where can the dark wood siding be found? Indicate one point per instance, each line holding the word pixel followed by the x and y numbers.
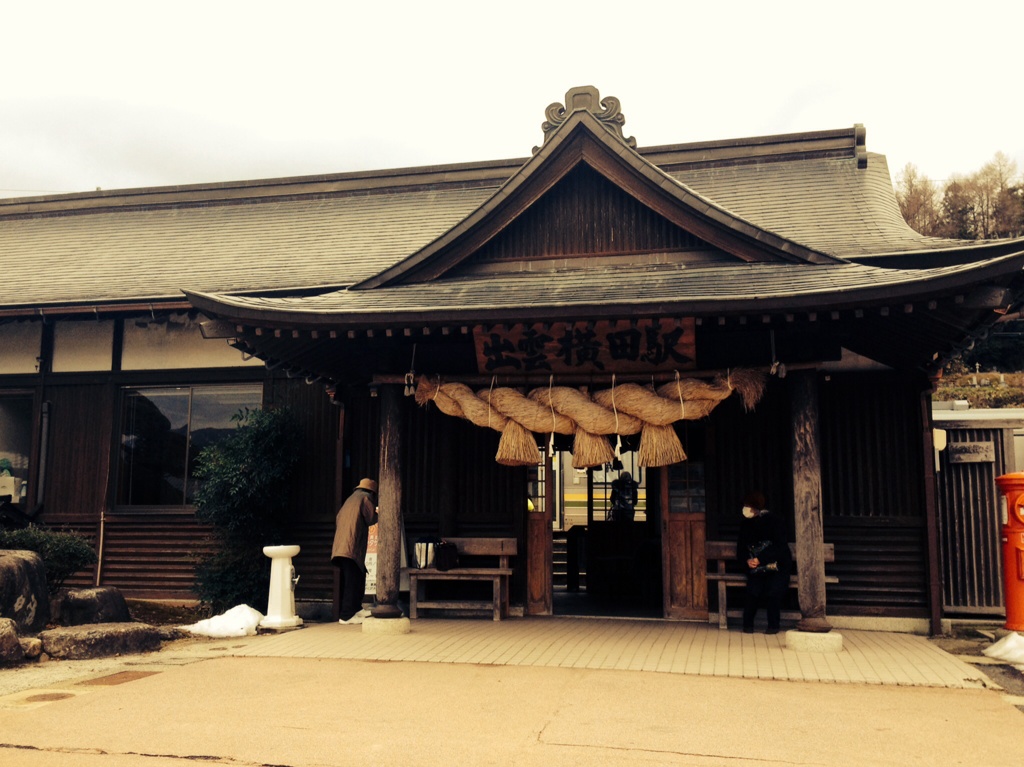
pixel 585 214
pixel 747 452
pixel 311 496
pixel 78 453
pixel 969 522
pixel 873 493
pixel 152 555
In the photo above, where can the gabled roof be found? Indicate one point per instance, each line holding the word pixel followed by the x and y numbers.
pixel 804 197
pixel 583 139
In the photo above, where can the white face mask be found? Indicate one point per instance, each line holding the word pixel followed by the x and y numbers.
pixel 749 512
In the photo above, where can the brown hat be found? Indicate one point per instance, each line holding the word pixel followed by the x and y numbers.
pixel 367 484
pixel 754 500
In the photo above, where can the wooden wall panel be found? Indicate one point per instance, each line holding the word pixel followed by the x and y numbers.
pixel 586 215
pixel 152 555
pixel 311 496
pixel 873 494
pixel 881 565
pixel 871 455
pixel 81 432
pixel 969 521
pixel 748 451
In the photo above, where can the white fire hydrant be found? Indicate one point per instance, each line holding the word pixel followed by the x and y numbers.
pixel 281 602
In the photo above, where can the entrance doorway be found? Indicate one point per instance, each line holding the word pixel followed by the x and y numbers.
pixel 606 561
pixel 650 564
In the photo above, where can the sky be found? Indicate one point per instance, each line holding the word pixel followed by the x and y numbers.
pixel 104 94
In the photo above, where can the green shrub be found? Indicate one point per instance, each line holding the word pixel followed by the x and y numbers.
pixel 63 554
pixel 234 575
pixel 243 495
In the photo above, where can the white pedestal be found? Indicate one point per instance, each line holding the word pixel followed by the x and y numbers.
pixel 281 602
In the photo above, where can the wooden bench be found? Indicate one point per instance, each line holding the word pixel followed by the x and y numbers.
pixel 501 548
pixel 721 553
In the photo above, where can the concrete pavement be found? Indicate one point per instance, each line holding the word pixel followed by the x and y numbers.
pixel 220 702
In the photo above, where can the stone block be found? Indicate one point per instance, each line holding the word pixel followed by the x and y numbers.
pixel 23 596
pixel 79 607
pixel 387 626
pixel 32 647
pixel 99 640
pixel 11 652
pixel 811 641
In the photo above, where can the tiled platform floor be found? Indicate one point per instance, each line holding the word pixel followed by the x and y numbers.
pixel 868 657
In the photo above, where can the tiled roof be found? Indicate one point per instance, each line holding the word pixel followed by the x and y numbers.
pixel 828 204
pixel 668 287
pixel 164 241
pixel 151 254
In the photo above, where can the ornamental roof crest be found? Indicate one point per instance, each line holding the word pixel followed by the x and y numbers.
pixel 586 98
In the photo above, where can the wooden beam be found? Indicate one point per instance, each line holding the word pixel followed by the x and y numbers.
pixel 807 512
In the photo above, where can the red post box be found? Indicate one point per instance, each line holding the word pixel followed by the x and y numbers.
pixel 1012 488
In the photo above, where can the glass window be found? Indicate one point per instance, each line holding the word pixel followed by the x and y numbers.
pixel 15 444
pixel 163 429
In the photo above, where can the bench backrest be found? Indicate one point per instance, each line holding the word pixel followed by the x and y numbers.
pixel 485 547
pixel 727 550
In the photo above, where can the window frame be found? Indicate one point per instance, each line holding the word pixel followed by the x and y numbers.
pixel 119 490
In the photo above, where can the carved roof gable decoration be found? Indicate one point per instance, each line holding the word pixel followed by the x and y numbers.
pixel 587 99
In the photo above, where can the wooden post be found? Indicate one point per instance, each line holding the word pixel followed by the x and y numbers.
pixel 807 501
pixel 389 524
pixel 339 498
pixel 932 515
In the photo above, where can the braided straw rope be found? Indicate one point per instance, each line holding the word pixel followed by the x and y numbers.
pixel 623 409
pixel 579 406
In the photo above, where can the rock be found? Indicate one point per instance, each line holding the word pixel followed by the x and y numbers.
pixel 23 595
pixel 32 646
pixel 98 640
pixel 79 607
pixel 11 652
pixel 173 633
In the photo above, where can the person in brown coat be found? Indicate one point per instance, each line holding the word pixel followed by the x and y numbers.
pixel 352 527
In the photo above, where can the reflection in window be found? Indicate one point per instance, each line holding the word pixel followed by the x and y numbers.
pixel 15 445
pixel 163 430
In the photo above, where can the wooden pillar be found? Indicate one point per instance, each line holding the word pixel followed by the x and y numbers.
pixel 389 524
pixel 932 516
pixel 339 498
pixel 807 512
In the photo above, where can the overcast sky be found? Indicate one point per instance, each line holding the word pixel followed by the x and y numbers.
pixel 126 94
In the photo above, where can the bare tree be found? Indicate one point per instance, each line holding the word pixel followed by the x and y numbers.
pixel 986 204
pixel 917 196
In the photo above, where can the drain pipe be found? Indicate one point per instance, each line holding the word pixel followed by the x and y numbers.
pixel 44 438
pixel 99 547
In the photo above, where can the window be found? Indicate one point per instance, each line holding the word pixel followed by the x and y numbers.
pixel 163 430
pixel 15 444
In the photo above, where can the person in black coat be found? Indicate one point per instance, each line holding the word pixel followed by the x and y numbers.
pixel 764 549
pixel 624 497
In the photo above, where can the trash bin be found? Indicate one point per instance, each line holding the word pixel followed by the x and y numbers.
pixel 1012 488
